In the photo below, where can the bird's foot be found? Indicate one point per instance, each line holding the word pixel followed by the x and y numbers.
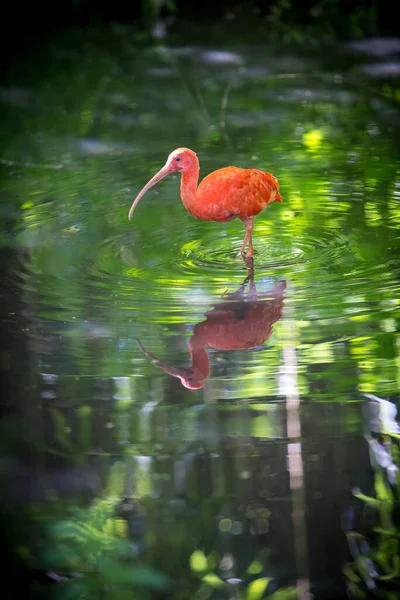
pixel 247 259
pixel 249 254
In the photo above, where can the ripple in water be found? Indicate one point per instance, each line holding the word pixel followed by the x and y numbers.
pixel 220 254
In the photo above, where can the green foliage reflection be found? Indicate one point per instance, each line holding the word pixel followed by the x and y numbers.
pixel 242 588
pixel 375 568
pixel 92 551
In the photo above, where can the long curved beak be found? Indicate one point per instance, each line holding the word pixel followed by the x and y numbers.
pixel 157 362
pixel 186 375
pixel 166 170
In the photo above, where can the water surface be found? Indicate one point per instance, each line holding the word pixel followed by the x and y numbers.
pixel 258 465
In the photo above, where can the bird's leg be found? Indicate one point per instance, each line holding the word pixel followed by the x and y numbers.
pixel 246 237
pixel 249 229
pixel 248 223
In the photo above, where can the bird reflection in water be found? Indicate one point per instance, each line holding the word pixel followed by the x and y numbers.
pixel 243 319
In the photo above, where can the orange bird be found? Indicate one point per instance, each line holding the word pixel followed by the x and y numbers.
pixel 242 320
pixel 222 195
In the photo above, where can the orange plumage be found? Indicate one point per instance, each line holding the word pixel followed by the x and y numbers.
pixel 233 192
pixel 222 195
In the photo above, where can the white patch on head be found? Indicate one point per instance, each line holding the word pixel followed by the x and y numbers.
pixel 175 153
pixel 180 151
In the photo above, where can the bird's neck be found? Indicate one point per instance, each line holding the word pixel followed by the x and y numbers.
pixel 189 182
pixel 200 362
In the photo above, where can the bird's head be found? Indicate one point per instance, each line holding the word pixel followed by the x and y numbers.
pixel 189 377
pixel 180 160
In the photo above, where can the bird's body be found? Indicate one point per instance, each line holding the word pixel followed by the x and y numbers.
pixel 233 192
pixel 222 195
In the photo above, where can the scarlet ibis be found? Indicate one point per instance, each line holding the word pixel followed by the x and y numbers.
pixel 242 320
pixel 222 195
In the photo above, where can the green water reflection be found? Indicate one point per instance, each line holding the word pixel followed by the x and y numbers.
pixel 121 472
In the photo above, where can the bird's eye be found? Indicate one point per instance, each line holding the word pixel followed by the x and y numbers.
pixel 178 158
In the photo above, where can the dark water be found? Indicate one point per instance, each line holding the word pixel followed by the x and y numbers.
pixel 119 482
